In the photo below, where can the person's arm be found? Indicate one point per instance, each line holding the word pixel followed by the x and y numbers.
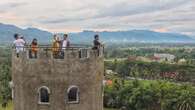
pixel 98 42
pixel 23 41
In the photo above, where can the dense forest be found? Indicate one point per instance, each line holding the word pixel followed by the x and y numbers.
pixel 149 95
pixel 5 75
pixel 140 85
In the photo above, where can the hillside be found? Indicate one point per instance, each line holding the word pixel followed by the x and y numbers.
pixel 7 32
pixel 142 36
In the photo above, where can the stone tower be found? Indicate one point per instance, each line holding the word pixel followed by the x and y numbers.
pixel 70 82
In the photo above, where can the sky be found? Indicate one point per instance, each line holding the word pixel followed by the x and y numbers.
pixel 176 16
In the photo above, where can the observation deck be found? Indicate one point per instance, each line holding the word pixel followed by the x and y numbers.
pixel 46 52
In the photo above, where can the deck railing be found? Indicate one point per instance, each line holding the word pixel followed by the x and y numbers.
pixel 83 51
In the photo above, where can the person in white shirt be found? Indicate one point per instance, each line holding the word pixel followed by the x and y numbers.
pixel 64 44
pixel 18 44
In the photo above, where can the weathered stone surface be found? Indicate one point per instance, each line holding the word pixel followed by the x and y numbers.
pixel 58 74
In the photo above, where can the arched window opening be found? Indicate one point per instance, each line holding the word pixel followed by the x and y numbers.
pixel 44 93
pixel 73 94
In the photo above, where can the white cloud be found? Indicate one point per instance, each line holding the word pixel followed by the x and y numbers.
pixel 77 15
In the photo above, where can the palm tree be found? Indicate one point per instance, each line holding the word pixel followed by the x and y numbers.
pixel 185 105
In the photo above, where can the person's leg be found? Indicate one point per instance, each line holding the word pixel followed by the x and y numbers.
pixel 17 52
pixel 98 50
pixel 58 54
pixel 30 54
pixel 54 54
pixel 62 54
pixel 35 54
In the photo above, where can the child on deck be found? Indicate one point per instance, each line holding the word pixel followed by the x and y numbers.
pixel 34 48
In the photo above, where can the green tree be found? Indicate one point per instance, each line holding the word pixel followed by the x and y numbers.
pixel 5 78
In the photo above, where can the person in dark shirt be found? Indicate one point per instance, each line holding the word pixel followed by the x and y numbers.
pixel 97 45
pixel 96 42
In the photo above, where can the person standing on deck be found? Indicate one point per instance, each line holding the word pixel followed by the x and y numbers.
pixel 18 44
pixel 56 46
pixel 96 42
pixel 34 48
pixel 65 43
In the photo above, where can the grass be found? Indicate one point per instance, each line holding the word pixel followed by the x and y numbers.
pixel 10 107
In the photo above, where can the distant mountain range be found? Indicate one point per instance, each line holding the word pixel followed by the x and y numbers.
pixel 7 32
pixel 141 36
